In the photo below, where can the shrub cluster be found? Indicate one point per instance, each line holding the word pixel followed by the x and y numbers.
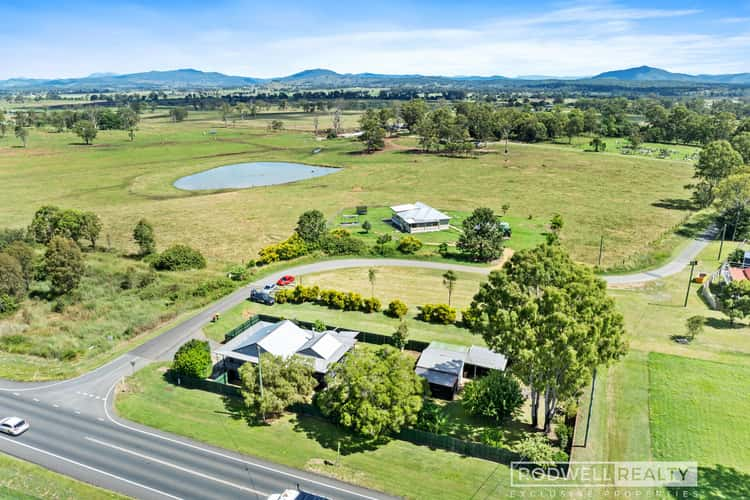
pixel 8 304
pixel 470 318
pixel 291 248
pixel 193 359
pixel 496 396
pixel 537 449
pixel 442 314
pixel 397 309
pixel 345 301
pixel 336 242
pixel 341 242
pixel 409 245
pixel 179 258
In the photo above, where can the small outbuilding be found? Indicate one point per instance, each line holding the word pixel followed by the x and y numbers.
pixel 419 218
pixel 445 366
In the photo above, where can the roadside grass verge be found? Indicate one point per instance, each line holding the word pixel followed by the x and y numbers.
pixel 21 480
pixel 307 442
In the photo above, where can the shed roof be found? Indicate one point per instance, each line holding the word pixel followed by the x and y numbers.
pixel 481 356
pixel 419 212
pixel 437 358
pixel 438 378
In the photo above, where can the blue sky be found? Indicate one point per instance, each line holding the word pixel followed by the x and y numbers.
pixel 43 39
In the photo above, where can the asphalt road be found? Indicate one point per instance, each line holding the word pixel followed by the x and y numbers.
pixel 74 431
pixel 144 463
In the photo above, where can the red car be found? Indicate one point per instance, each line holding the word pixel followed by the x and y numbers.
pixel 285 280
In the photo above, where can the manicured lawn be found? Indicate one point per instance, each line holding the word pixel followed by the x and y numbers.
pixel 21 480
pixel 526 232
pixel 305 442
pixel 621 197
pixel 698 412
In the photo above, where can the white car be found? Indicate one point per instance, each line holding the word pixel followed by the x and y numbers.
pixel 269 287
pixel 14 426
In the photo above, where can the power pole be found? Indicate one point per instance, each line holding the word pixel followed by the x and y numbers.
pixel 601 248
pixel 693 263
pixel 721 245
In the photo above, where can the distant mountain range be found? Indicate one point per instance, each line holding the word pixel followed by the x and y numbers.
pixel 325 78
pixel 649 74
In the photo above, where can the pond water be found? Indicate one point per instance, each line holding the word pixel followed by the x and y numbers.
pixel 245 175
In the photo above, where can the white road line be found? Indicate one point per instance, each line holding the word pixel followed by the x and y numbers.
pixel 174 466
pixel 79 464
pixel 228 457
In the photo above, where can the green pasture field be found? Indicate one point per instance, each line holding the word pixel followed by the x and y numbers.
pixel 631 201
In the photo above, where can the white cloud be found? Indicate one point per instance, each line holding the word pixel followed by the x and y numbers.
pixel 581 38
pixel 574 39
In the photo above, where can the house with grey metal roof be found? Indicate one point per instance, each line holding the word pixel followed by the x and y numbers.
pixel 445 366
pixel 285 339
pixel 419 218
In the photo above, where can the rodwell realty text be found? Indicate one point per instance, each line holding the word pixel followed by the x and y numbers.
pixel 601 474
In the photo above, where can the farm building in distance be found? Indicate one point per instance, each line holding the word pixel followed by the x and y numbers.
pixel 444 366
pixel 419 218
pixel 284 339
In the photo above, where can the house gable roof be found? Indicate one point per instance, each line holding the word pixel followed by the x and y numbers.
pixel 419 212
pixel 287 339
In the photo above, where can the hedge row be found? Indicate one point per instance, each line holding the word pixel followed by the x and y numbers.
pixel 345 301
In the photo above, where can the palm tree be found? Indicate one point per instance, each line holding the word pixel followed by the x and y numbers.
pixel 449 281
pixel 372 276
